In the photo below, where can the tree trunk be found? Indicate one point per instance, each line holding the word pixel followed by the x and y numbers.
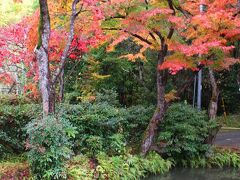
pixel 43 59
pixel 44 80
pixel 47 84
pixel 161 107
pixel 61 88
pixel 213 106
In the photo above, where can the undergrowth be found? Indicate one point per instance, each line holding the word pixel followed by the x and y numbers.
pixel 220 158
pixel 124 167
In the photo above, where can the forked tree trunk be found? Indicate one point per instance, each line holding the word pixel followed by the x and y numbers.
pixel 161 107
pixel 48 84
pixel 213 107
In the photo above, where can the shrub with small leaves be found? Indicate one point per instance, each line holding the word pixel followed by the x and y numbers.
pixel 184 131
pixel 50 146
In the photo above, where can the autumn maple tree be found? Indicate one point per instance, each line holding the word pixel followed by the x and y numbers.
pixel 183 37
pixel 211 34
pixel 151 25
pixel 46 42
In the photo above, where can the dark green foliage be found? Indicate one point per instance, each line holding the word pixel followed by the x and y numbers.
pixel 220 158
pixel 13 119
pixel 136 121
pixel 107 96
pixel 103 127
pixel 124 167
pixel 97 126
pixel 230 89
pixel 131 80
pixel 184 131
pixel 50 146
pixel 12 99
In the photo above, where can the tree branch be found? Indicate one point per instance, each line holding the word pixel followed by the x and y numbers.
pixel 65 54
pixel 132 34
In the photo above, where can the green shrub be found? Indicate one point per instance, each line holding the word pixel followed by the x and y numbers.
pixel 225 158
pixel 106 128
pixel 13 119
pixel 50 146
pixel 184 131
pixel 72 98
pixel 136 119
pixel 124 167
pixel 13 99
pixel 218 159
pixel 102 127
pixel 230 120
pixel 107 96
pixel 96 125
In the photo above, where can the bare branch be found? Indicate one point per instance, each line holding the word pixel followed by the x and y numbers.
pixel 132 34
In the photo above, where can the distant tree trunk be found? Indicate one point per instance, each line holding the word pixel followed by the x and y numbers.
pixel 61 88
pixel 43 59
pixel 213 107
pixel 161 104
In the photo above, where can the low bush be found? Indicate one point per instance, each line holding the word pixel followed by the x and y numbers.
pixel 136 119
pixel 124 167
pixel 106 128
pixel 50 146
pixel 184 131
pixel 220 158
pixel 13 119
pixel 13 99
pixel 230 120
pixel 97 125
pixel 225 158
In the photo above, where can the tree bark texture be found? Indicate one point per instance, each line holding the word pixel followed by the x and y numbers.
pixel 42 57
pixel 161 106
pixel 61 88
pixel 213 107
pixel 48 84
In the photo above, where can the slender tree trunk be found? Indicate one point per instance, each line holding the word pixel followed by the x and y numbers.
pixel 43 59
pixel 213 106
pixel 61 88
pixel 161 107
